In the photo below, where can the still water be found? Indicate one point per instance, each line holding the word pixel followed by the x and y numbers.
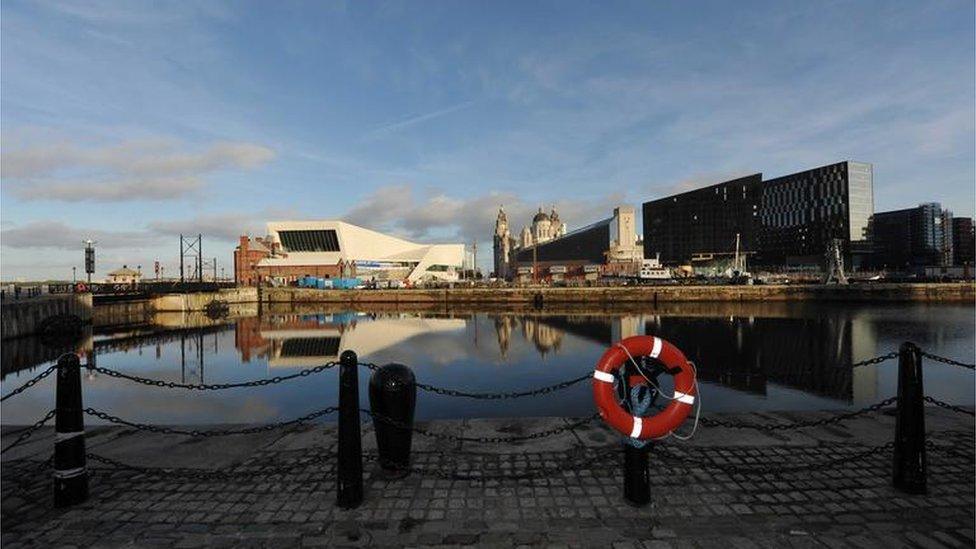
pixel 773 356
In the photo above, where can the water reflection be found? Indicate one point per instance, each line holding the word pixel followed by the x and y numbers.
pixel 758 356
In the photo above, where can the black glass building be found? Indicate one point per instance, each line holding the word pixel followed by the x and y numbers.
pixel 703 221
pixel 586 245
pixel 802 212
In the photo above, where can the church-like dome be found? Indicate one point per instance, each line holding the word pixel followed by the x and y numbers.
pixel 541 216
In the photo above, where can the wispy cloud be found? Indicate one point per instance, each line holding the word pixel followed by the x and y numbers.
pixel 399 125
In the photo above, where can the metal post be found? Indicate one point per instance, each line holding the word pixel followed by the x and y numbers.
pixel 393 394
pixel 908 470
pixel 70 472
pixel 349 480
pixel 637 476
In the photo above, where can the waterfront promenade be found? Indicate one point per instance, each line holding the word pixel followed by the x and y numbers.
pixel 722 489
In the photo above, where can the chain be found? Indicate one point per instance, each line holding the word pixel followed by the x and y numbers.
pixel 708 422
pixel 30 383
pixel 765 469
pixel 26 433
pixel 444 436
pixel 948 406
pixel 945 360
pixel 211 387
pixel 502 396
pixel 875 360
pixel 25 478
pixel 211 433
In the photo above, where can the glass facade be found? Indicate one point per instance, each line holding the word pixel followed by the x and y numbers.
pixel 802 212
pixel 703 221
pixel 587 244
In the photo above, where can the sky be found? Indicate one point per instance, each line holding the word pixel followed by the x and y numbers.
pixel 132 122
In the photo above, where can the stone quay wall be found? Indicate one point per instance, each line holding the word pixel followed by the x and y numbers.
pixel 958 293
pixel 22 317
pixel 198 301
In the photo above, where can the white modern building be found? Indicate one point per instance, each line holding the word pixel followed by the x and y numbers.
pixel 340 249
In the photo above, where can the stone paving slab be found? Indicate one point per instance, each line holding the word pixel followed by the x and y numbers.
pixel 554 494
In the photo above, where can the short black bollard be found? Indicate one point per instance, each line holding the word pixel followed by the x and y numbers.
pixel 70 470
pixel 908 469
pixel 393 395
pixel 349 480
pixel 637 476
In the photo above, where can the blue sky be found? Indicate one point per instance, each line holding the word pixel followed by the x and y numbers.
pixel 130 122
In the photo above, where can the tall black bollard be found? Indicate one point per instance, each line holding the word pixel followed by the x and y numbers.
pixel 637 476
pixel 393 394
pixel 908 470
pixel 349 480
pixel 70 471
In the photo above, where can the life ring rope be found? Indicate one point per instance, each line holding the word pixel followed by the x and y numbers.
pixel 678 395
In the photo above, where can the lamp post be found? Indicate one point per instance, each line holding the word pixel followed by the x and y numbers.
pixel 74 275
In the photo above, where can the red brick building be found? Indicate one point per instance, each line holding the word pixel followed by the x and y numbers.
pixel 246 257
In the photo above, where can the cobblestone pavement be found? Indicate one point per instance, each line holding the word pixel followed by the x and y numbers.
pixel 284 496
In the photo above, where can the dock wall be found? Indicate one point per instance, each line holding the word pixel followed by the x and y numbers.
pixel 963 292
pixel 22 317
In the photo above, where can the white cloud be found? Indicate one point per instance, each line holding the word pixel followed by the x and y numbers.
pixel 60 169
pixel 58 235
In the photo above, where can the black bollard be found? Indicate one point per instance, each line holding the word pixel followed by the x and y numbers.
pixel 393 394
pixel 637 476
pixel 349 480
pixel 70 470
pixel 908 469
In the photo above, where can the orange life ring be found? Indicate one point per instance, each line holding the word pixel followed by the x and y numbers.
pixel 81 288
pixel 673 415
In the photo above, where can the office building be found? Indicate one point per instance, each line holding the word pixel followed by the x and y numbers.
pixel 785 221
pixel 802 213
pixel 913 237
pixel 703 222
pixel 962 241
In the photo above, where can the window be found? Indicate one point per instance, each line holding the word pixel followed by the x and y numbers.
pixel 309 241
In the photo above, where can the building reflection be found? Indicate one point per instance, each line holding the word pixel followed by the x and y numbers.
pixel 303 340
pixel 744 353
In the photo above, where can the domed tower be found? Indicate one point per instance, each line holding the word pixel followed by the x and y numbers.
pixel 503 242
pixel 541 226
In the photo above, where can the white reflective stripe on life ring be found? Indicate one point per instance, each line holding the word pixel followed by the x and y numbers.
pixel 636 431
pixel 684 397
pixel 656 350
pixel 603 376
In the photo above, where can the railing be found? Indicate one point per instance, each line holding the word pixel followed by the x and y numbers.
pixel 392 398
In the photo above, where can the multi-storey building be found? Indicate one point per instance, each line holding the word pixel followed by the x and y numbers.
pixel 802 213
pixel 913 237
pixel 962 241
pixel 703 221
pixel 788 220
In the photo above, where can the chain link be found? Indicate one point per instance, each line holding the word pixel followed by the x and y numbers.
pixel 28 432
pixel 30 383
pixel 875 360
pixel 488 440
pixel 708 422
pixel 503 396
pixel 948 406
pixel 215 386
pixel 945 360
pixel 209 433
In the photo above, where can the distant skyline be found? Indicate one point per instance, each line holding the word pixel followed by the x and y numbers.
pixel 131 122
